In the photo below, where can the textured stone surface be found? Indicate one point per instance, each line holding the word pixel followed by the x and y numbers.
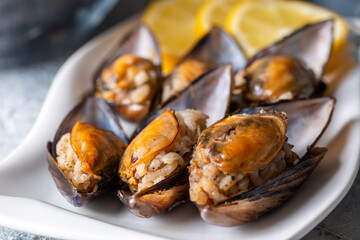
pixel 10 234
pixel 22 92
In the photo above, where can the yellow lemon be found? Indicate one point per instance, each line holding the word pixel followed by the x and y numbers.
pixel 212 13
pixel 257 24
pixel 172 22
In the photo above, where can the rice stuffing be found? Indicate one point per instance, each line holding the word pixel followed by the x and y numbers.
pixel 172 158
pixel 70 165
pixel 209 185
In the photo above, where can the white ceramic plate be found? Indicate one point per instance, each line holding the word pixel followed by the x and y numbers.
pixel 29 200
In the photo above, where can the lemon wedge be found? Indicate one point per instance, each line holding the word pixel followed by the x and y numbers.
pixel 172 22
pixel 212 13
pixel 257 24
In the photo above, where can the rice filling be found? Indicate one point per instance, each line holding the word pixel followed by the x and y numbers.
pixel 215 185
pixel 175 156
pixel 70 165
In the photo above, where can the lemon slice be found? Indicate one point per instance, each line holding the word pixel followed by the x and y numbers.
pixel 172 22
pixel 259 24
pixel 212 13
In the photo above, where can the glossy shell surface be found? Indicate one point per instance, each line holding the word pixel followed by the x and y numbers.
pixel 93 111
pixel 214 49
pixel 307 121
pixel 139 42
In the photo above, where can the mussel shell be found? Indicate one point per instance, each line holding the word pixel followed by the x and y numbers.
pixel 93 111
pixel 159 198
pixel 251 205
pixel 167 193
pixel 307 120
pixel 218 46
pixel 142 43
pixel 312 44
pixel 72 194
pixel 210 94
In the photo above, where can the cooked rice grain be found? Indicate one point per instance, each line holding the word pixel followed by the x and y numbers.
pixel 209 185
pixel 191 123
pixel 70 165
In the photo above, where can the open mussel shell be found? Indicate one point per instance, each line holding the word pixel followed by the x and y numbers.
pixel 312 44
pixel 210 94
pixel 220 47
pixel 216 48
pixel 92 111
pixel 154 165
pixel 307 121
pixel 291 68
pixel 251 205
pixel 139 42
pixel 159 198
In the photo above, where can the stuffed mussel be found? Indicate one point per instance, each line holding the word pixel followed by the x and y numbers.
pixel 217 47
pixel 159 155
pixel 154 165
pixel 131 77
pixel 289 69
pixel 86 151
pixel 243 165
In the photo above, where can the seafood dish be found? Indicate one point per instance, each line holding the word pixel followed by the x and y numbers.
pixel 220 130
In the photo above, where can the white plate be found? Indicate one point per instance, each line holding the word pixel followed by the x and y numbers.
pixel 29 200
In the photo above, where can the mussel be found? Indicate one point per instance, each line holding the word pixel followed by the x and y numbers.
pixel 86 151
pixel 216 47
pixel 210 93
pixel 160 133
pixel 289 69
pixel 243 165
pixel 154 165
pixel 131 76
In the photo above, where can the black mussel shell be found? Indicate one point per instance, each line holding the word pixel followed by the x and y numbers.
pixel 142 43
pixel 307 121
pixel 216 48
pixel 210 94
pixel 159 198
pixel 251 205
pixel 94 111
pixel 220 47
pixel 312 44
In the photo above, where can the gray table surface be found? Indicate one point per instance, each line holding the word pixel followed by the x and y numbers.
pixel 22 92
